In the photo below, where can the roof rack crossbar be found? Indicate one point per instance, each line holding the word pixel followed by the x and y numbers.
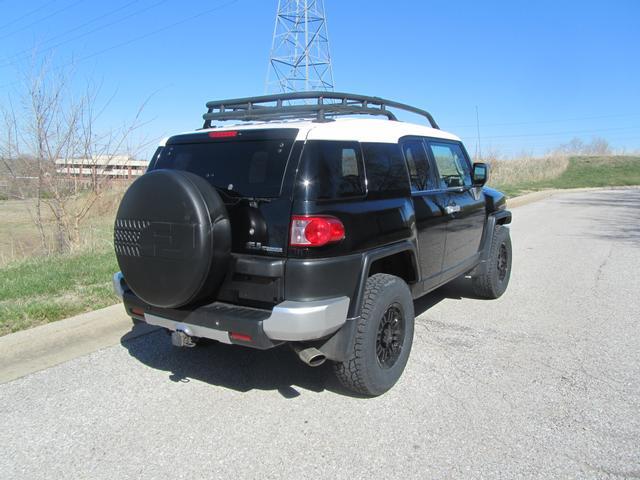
pixel 327 104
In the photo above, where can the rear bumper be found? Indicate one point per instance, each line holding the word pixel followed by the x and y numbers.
pixel 289 321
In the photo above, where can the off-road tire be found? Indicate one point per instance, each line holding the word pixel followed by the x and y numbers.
pixel 363 372
pixel 494 281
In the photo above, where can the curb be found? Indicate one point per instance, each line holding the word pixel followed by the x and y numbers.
pixel 38 348
pixel 528 198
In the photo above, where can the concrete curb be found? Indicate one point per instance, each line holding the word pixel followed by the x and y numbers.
pixel 38 348
pixel 527 198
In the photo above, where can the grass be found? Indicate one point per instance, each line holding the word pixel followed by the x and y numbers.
pixel 42 290
pixel 574 172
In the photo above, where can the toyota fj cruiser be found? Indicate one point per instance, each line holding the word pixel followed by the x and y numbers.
pixel 309 225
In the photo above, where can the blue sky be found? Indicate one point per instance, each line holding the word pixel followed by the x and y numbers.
pixel 540 72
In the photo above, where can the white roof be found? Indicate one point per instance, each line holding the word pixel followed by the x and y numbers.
pixel 354 129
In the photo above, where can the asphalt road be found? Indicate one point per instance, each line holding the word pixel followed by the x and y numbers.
pixel 542 383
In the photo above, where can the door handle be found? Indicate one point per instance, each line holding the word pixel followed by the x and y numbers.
pixel 449 209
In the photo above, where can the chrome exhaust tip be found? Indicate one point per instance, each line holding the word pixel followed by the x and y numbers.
pixel 310 355
pixel 180 338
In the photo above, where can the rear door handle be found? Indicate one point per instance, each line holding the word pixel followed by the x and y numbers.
pixel 449 209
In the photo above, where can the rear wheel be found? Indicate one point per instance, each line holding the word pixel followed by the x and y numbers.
pixel 494 281
pixel 383 338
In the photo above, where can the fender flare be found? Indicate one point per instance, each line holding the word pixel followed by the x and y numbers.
pixel 370 257
pixel 337 347
pixel 501 217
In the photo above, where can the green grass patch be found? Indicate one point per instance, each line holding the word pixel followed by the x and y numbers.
pixel 584 172
pixel 42 290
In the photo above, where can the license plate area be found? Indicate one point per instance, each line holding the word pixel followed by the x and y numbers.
pixel 189 329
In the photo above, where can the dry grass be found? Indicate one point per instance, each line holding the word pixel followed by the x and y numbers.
pixel 516 177
pixel 526 170
pixel 19 238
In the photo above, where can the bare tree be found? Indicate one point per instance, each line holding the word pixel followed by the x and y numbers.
pixel 576 146
pixel 49 130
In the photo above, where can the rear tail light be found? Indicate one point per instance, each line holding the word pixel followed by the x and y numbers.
pixel 315 231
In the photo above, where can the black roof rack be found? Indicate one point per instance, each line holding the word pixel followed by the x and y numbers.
pixel 295 105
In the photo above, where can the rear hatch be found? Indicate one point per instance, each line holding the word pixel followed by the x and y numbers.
pixel 249 169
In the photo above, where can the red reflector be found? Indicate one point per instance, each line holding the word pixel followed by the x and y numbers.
pixel 138 311
pixel 315 231
pixel 240 336
pixel 225 134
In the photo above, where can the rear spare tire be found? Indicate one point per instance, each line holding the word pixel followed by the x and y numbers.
pixel 172 238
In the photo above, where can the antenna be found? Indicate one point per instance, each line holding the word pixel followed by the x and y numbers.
pixel 478 147
pixel 300 59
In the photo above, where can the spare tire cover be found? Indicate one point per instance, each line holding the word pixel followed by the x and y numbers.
pixel 172 238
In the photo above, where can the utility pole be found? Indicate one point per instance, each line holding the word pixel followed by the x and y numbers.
pixel 300 58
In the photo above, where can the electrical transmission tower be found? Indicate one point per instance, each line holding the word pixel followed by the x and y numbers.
pixel 300 58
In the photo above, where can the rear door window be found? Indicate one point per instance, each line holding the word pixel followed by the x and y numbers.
pixel 453 167
pixel 420 174
pixel 249 168
pixel 331 170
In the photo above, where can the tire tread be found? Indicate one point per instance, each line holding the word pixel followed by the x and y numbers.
pixel 352 373
pixel 484 285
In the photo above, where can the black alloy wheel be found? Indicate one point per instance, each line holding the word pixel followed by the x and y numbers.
pixel 390 336
pixel 383 336
pixel 503 262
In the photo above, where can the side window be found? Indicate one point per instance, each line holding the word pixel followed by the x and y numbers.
pixel 330 170
pixel 418 165
pixel 453 166
pixel 154 159
pixel 386 169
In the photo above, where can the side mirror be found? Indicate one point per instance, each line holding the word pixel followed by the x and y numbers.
pixel 480 174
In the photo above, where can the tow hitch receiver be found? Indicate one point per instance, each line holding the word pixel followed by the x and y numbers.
pixel 180 338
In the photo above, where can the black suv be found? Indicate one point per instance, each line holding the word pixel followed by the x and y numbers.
pixel 308 225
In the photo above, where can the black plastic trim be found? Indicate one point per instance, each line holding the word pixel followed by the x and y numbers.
pixel 501 217
pixel 320 278
pixel 371 256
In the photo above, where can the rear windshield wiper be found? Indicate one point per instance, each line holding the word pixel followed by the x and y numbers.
pixel 236 196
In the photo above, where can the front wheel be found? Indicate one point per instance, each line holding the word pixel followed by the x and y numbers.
pixel 383 339
pixel 494 281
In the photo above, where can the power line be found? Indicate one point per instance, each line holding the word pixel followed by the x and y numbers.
pixel 579 132
pixel 42 19
pixel 140 37
pixel 60 35
pixel 97 29
pixel 545 122
pixel 154 32
pixel 29 13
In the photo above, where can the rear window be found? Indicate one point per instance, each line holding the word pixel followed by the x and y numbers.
pixel 251 168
